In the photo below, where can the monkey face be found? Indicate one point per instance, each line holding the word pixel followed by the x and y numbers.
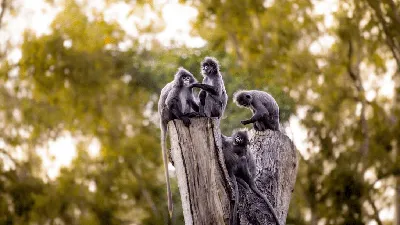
pixel 185 80
pixel 244 99
pixel 209 66
pixel 240 138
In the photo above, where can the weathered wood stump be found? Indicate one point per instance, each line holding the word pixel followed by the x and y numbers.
pixel 203 181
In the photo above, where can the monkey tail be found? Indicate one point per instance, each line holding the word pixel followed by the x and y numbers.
pixel 255 189
pixel 165 161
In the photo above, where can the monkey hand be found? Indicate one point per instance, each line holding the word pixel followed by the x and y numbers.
pixel 244 122
pixel 186 121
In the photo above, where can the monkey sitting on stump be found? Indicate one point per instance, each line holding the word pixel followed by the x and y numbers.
pixel 264 107
pixel 213 97
pixel 241 168
pixel 176 102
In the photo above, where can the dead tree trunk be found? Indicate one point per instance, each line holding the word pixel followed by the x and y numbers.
pixel 204 183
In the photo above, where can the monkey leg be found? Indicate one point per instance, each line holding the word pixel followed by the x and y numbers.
pixel 259 126
pixel 274 123
pixel 202 98
pixel 175 109
pixel 193 105
pixel 216 111
pixel 271 122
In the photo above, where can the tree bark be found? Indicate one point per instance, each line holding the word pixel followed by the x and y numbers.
pixel 204 184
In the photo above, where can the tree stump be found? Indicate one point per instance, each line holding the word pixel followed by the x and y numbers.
pixel 204 184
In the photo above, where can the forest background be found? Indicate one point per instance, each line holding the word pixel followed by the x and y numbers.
pixel 79 83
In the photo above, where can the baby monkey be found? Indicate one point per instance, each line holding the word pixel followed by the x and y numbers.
pixel 241 169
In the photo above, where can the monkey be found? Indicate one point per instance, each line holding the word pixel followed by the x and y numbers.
pixel 212 96
pixel 264 107
pixel 239 164
pixel 176 102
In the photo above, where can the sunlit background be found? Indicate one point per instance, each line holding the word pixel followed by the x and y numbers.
pixel 79 82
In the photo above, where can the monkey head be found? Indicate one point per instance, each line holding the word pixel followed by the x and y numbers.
pixel 240 138
pixel 242 98
pixel 209 66
pixel 184 78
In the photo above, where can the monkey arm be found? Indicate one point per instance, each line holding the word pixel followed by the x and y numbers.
pixel 208 88
pixel 193 104
pixel 260 113
pixel 253 119
pixel 174 107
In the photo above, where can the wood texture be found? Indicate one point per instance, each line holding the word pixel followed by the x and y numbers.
pixel 204 186
pixel 276 168
pixel 201 173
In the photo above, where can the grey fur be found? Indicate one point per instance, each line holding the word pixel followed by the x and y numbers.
pixel 213 97
pixel 241 168
pixel 176 101
pixel 264 107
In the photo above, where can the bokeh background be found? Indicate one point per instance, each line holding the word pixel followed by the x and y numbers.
pixel 80 79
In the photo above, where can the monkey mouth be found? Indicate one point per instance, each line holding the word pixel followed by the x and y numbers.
pixel 186 83
pixel 208 71
pixel 245 104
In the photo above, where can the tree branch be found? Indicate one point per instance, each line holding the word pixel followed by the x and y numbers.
pixel 384 26
pixel 376 211
pixel 3 10
pixel 394 8
pixel 355 76
pixel 8 155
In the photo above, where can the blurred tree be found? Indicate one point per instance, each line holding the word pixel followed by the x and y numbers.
pixel 387 19
pixel 80 81
pixel 343 177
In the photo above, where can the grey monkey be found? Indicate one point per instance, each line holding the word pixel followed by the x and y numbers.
pixel 241 168
pixel 212 96
pixel 176 102
pixel 264 107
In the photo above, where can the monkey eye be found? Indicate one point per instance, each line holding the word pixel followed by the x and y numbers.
pixel 205 67
pixel 247 96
